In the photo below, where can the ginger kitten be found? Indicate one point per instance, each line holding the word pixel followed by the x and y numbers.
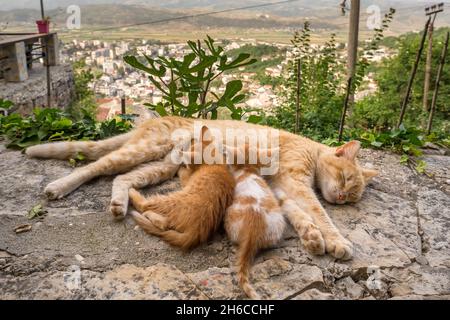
pixel 254 221
pixel 188 217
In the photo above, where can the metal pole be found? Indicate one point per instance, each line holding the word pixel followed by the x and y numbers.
pixel 352 46
pixel 49 82
pixel 297 102
pixel 42 10
pixel 344 108
pixel 413 74
pixel 438 79
pixel 427 80
pixel 430 11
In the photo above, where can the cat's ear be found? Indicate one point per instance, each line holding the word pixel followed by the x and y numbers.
pixel 348 150
pixel 368 174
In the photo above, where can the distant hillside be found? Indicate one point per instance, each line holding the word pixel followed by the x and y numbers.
pixel 323 15
pixel 118 15
pixel 393 42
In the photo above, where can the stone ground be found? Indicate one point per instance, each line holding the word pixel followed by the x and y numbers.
pixel 400 230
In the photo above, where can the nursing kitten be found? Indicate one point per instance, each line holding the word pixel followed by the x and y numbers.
pixel 254 221
pixel 188 217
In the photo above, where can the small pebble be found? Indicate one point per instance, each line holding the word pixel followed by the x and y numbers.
pixel 79 258
pixel 422 260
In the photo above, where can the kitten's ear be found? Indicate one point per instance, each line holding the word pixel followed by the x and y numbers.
pixel 368 174
pixel 348 150
pixel 205 136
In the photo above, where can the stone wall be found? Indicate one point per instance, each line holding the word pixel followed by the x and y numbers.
pixel 33 92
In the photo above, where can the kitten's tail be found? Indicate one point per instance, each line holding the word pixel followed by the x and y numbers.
pixel 183 240
pixel 247 251
pixel 92 150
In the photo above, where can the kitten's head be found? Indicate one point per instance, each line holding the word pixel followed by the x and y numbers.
pixel 207 150
pixel 193 158
pixel 339 176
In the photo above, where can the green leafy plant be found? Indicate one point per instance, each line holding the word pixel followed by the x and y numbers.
pixel 37 211
pixel 322 83
pixel 321 94
pixel 84 100
pixel 56 125
pixel 406 141
pixel 380 110
pixel 188 92
pixel 5 104
pixel 369 49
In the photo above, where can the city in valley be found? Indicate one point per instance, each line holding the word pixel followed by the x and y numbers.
pixel 114 79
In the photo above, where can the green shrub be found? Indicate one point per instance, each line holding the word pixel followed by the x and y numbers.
pixel 47 125
pixel 188 92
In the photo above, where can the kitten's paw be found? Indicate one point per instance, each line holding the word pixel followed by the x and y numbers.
pixel 118 207
pixel 313 241
pixel 157 220
pixel 339 247
pixel 55 190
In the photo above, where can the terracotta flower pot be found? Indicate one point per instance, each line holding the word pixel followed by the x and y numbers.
pixel 43 26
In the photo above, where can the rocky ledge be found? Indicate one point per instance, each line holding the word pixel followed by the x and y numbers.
pixel 400 229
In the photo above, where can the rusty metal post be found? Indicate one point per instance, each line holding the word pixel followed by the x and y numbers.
pixel 413 74
pixel 47 62
pixel 436 88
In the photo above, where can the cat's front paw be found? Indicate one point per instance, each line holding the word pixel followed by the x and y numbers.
pixel 55 190
pixel 313 241
pixel 118 207
pixel 339 247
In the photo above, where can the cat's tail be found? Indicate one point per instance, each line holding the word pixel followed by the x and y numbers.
pixel 182 240
pixel 91 150
pixel 247 251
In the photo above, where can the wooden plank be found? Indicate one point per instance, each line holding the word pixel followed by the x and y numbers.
pixel 11 39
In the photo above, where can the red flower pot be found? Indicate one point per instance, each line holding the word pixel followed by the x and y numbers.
pixel 43 26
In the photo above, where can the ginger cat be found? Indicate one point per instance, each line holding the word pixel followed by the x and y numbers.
pixel 304 165
pixel 188 217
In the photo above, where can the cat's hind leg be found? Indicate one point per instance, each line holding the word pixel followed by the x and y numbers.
pixel 117 161
pixel 91 150
pixel 145 174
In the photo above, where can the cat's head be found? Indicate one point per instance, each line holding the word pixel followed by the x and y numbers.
pixel 339 176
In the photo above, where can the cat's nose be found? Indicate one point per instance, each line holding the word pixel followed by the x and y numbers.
pixel 341 196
